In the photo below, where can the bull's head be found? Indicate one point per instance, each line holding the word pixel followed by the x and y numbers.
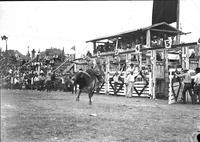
pixel 73 79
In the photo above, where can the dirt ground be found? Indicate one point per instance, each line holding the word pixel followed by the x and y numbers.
pixel 32 116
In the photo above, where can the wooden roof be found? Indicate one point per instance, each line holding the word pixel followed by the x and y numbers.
pixel 156 29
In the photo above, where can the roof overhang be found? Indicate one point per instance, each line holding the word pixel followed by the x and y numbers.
pixel 156 29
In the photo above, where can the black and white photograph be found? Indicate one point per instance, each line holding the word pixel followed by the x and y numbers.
pixel 100 71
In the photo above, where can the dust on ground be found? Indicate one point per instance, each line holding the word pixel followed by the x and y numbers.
pixel 33 116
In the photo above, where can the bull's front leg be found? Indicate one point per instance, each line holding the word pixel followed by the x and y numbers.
pixel 78 96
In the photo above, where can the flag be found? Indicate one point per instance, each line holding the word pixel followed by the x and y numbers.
pixel 164 11
pixel 4 37
pixel 73 48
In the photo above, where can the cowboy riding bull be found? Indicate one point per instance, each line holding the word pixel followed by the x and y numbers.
pixel 89 80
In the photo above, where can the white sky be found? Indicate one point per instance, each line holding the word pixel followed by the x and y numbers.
pixel 59 24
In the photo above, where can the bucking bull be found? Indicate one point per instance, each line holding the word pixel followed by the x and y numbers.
pixel 88 81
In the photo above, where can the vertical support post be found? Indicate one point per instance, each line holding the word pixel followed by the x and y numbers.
pixel 199 61
pixel 152 80
pixel 198 57
pixel 185 56
pixel 94 46
pixel 107 75
pixel 197 52
pixel 148 39
pixel 187 64
pixel 153 55
pixel 75 68
pixel 166 73
pixel 140 60
pixel 117 44
pixel 177 21
pixel 125 75
pixel 171 98
pixel 150 84
pixel 127 60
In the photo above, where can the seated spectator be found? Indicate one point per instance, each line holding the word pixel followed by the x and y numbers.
pixel 133 44
pixel 137 41
pixel 117 81
pixel 142 40
pixel 128 46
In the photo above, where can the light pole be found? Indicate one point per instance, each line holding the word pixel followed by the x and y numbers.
pixel 6 53
pixel 5 38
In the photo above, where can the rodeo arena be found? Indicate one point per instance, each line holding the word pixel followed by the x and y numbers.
pixel 137 85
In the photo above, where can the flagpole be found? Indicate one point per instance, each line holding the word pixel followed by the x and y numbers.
pixel 178 21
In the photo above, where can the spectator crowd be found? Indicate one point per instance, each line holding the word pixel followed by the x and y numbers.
pixel 35 74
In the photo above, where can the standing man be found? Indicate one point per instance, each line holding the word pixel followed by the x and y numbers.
pixel 36 82
pixel 129 69
pixel 11 81
pixel 135 71
pixel 32 82
pixel 62 82
pixel 187 85
pixel 197 84
pixel 131 82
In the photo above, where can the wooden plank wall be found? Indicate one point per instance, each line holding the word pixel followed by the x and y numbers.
pixel 139 84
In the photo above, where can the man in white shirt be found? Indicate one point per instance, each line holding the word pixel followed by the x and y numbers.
pixel 131 81
pixel 197 84
pixel 187 80
pixel 129 69
pixel 36 82
pixel 62 82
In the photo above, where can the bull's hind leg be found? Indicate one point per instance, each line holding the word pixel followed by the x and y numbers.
pixel 78 96
pixel 90 97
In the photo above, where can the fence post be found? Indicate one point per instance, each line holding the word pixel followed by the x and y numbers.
pixel 171 98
